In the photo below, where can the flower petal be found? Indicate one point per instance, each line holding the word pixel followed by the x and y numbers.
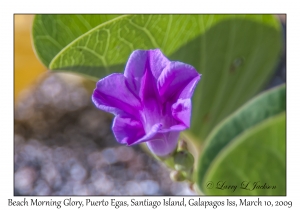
pixel 135 70
pixel 127 130
pixel 150 135
pixel 112 95
pixel 165 145
pixel 139 62
pixel 181 111
pixel 157 62
pixel 178 80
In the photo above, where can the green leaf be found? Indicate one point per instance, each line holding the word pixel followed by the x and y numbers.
pixel 254 163
pixel 235 54
pixel 52 33
pixel 236 58
pixel 108 46
pixel 262 107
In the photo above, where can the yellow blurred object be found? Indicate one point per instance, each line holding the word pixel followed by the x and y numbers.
pixel 27 66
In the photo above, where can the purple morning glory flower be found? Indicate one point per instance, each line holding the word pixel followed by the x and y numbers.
pixel 151 101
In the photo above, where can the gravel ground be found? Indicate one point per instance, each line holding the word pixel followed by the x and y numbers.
pixel 64 146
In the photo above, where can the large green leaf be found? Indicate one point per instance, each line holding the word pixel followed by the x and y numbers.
pixel 264 106
pixel 234 53
pixel 52 33
pixel 253 164
pixel 236 59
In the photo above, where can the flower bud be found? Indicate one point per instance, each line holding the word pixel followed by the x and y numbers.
pixel 183 160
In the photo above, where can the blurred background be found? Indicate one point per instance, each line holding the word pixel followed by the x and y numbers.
pixel 63 145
